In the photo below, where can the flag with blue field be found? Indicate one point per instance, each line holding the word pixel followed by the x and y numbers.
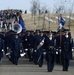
pixel 62 21
pixel 21 22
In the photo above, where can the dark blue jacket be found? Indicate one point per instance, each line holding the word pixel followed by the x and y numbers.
pixel 26 41
pixel 1 47
pixel 37 41
pixel 15 46
pixel 48 44
pixel 66 47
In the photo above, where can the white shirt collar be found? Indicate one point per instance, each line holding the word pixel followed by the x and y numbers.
pixel 50 38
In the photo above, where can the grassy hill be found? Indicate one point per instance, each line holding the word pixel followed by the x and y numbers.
pixel 42 24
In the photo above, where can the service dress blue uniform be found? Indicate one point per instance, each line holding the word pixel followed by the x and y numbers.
pixel 26 44
pixel 40 52
pixel 15 49
pixel 37 40
pixel 58 53
pixel 66 52
pixel 1 47
pixel 50 53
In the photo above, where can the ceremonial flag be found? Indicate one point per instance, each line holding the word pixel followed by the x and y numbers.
pixel 21 22
pixel 62 21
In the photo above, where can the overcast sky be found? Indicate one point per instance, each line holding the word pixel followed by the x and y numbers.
pixel 26 4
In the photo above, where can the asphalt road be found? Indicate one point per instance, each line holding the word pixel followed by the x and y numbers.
pixel 25 67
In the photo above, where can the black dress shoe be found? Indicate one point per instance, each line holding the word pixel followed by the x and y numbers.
pixel 35 63
pixel 10 59
pixel 16 63
pixel 40 65
pixel 30 60
pixel 49 70
pixel 65 69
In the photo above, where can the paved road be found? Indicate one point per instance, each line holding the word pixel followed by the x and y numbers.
pixel 28 68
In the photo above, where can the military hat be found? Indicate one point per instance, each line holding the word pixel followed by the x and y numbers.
pixel 37 31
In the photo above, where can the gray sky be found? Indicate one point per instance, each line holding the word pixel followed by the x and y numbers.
pixel 26 4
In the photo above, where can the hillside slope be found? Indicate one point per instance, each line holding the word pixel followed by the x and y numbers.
pixel 42 24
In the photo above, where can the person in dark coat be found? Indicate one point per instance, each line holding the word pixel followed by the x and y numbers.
pixel 15 49
pixel 50 51
pixel 58 54
pixel 66 50
pixel 37 48
pixel 31 45
pixel 7 41
pixel 40 50
pixel 1 46
pixel 36 43
pixel 26 44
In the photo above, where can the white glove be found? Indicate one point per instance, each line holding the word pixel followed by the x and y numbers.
pixel 2 50
pixel 20 50
pixel 72 50
pixel 60 50
pixel 56 52
pixel 35 51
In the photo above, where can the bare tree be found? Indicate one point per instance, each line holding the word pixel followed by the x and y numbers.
pixel 60 8
pixel 70 11
pixel 38 8
pixel 43 9
pixel 35 6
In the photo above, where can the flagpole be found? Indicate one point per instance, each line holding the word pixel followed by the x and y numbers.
pixel 60 37
pixel 60 43
pixel 61 23
pixel 60 40
pixel 49 21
